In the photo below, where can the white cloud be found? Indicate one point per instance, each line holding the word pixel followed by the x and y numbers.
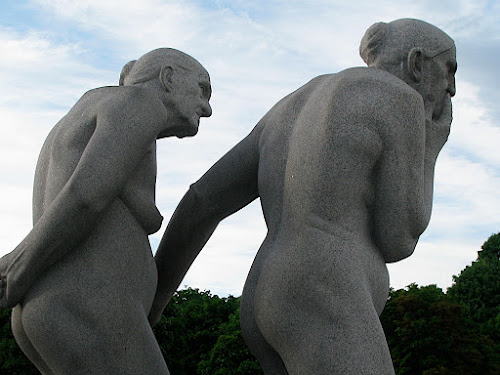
pixel 44 79
pixel 434 262
pixel 256 53
pixel 474 132
pixel 467 173
pixel 42 71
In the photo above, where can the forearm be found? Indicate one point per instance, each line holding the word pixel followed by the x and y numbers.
pixel 65 224
pixel 426 211
pixel 436 137
pixel 225 188
pixel 187 232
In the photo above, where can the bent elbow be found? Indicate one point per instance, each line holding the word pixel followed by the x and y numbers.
pixel 200 201
pixel 87 201
pixel 397 246
pixel 194 203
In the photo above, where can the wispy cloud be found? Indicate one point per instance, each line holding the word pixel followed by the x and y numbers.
pixel 256 53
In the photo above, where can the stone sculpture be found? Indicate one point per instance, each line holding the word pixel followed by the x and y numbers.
pixel 344 169
pixel 84 279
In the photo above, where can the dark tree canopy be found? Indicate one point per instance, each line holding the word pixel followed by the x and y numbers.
pixel 12 359
pixel 491 248
pixel 428 334
pixel 189 328
pixel 230 355
pixel 477 287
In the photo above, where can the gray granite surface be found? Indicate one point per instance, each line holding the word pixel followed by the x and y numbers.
pixel 344 168
pixel 83 281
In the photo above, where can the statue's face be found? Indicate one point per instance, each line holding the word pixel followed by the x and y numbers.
pixel 438 80
pixel 190 100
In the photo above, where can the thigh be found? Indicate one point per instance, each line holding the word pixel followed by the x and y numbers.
pixel 269 359
pixel 72 338
pixel 25 344
pixel 349 341
pixel 331 328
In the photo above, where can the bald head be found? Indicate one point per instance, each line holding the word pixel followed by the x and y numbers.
pixel 148 67
pixel 386 45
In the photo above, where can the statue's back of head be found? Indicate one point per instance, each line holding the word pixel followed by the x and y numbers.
pixel 149 65
pixel 385 45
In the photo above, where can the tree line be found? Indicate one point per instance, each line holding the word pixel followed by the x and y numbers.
pixel 429 332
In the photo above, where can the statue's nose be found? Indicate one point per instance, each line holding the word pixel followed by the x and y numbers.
pixel 206 110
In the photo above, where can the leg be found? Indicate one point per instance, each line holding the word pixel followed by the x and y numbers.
pixel 74 340
pixel 352 346
pixel 323 326
pixel 349 341
pixel 268 358
pixel 25 344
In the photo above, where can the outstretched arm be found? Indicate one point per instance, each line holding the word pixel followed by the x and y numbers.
pixel 108 159
pixel 227 187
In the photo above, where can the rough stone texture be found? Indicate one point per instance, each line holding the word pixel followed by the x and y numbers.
pixel 344 169
pixel 84 279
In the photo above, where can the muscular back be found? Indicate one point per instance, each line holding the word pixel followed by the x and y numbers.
pixel 321 152
pixel 335 165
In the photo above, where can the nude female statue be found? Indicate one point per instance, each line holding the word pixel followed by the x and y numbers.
pixel 83 280
pixel 344 169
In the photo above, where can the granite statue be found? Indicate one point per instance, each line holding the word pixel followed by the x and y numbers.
pixel 344 169
pixel 83 281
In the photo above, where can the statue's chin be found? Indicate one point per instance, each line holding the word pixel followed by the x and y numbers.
pixel 180 131
pixel 187 132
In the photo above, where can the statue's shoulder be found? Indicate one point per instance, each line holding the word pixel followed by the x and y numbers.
pixel 376 89
pixel 125 95
pixel 377 81
pixel 129 99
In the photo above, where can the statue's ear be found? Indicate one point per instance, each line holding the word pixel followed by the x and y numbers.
pixel 415 63
pixel 166 73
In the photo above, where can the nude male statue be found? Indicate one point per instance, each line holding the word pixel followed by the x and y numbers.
pixel 344 169
pixel 83 280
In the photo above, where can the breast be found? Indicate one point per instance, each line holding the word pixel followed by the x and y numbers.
pixel 143 209
pixel 138 195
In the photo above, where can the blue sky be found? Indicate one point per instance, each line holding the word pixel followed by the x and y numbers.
pixel 256 52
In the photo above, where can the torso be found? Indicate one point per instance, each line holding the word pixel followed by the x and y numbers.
pixel 116 257
pixel 316 183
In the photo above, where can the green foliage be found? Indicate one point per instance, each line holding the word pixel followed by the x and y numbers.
pixel 230 355
pixel 478 286
pixel 189 328
pixel 491 248
pixel 12 359
pixel 428 334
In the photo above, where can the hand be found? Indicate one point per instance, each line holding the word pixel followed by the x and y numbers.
pixel 446 115
pixel 10 294
pixel 156 311
pixel 4 264
pixel 8 297
pixel 154 316
pixel 3 290
pixel 438 130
